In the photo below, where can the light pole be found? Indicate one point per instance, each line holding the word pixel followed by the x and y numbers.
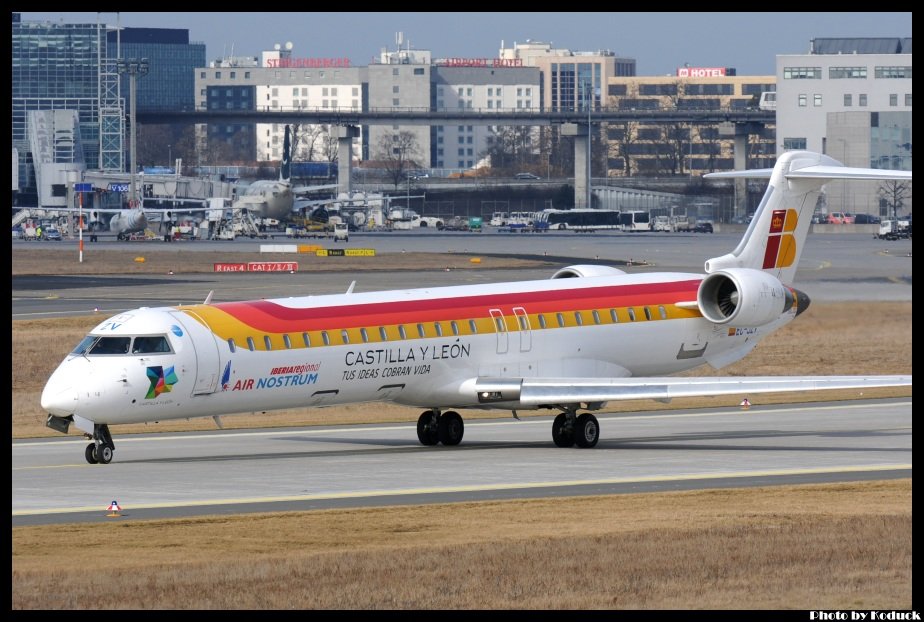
pixel 134 68
pixel 170 156
pixel 588 85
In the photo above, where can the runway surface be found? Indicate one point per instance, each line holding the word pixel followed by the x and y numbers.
pixel 266 470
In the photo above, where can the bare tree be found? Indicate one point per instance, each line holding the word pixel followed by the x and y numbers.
pixel 399 153
pixel 512 148
pixel 894 193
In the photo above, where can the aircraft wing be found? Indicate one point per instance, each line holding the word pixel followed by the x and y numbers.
pixel 308 189
pixel 546 391
pixel 815 172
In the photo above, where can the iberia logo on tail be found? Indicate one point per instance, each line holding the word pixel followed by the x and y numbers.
pixel 781 244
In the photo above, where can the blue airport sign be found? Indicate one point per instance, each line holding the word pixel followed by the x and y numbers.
pixel 83 187
pixel 114 187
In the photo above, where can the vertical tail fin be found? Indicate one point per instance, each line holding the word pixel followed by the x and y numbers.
pixel 773 241
pixel 285 169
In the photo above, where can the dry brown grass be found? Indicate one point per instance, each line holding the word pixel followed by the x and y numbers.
pixel 828 338
pixel 27 260
pixel 834 546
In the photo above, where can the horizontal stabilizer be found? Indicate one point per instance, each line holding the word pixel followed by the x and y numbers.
pixel 845 172
pixel 754 173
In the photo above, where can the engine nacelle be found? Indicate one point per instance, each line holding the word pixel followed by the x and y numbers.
pixel 743 296
pixel 586 270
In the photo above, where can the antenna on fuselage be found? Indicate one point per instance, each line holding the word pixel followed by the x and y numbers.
pixel 208 299
pixel 350 288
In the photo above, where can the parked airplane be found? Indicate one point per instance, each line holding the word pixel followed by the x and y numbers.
pixel 275 198
pixel 587 336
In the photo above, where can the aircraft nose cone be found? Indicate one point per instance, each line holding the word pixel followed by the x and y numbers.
pixel 802 301
pixel 58 398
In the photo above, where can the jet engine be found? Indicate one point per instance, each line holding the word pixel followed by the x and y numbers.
pixel 586 270
pixel 743 296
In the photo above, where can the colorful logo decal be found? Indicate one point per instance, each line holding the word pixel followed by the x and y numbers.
pixel 226 376
pixel 781 244
pixel 176 330
pixel 161 381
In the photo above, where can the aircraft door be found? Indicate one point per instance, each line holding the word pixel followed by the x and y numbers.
pixel 500 327
pixel 208 365
pixel 526 335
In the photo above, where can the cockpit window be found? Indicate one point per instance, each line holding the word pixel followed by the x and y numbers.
pixel 110 345
pixel 151 345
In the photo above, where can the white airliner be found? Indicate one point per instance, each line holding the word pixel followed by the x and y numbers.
pixel 587 336
pixel 275 198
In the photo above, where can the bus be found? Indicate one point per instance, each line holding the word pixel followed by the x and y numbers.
pixel 580 219
pixel 635 220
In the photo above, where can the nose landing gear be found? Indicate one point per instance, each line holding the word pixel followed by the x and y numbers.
pixel 100 450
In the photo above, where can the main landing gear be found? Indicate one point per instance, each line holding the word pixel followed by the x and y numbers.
pixel 446 428
pixel 100 450
pixel 570 429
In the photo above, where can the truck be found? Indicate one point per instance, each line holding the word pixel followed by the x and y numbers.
pixel 894 230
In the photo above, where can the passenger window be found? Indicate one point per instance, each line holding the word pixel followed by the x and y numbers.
pixel 647 314
pixel 455 327
pixel 473 326
pixel 364 334
pixel 662 311
pixel 421 331
pixel 306 339
pixel 325 337
pixel 267 342
pixel 561 319
pixel 438 328
pixel 541 320
pixel 231 345
pixel 345 336
pixel 401 332
pixel 250 344
pixel 578 318
pixel 631 314
pixel 499 323
pixel 596 316
pixel 383 333
pixel 523 323
pixel 287 342
pixel 614 316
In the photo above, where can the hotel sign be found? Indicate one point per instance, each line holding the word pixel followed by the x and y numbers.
pixel 481 62
pixel 700 72
pixel 307 63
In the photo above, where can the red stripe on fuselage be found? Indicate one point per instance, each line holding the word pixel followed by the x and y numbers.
pixel 271 317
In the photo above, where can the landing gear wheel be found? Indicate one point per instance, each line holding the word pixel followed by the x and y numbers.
pixel 450 428
pixel 427 432
pixel 90 453
pixel 562 436
pixel 104 454
pixel 586 431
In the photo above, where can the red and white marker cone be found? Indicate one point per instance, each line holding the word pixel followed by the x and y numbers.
pixel 114 509
pixel 745 404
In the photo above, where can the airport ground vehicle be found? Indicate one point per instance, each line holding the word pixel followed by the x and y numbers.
pixel 580 219
pixel 635 220
pixel 341 232
pixel 526 176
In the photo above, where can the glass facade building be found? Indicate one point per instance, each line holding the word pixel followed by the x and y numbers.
pixel 55 66
pixel 172 61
